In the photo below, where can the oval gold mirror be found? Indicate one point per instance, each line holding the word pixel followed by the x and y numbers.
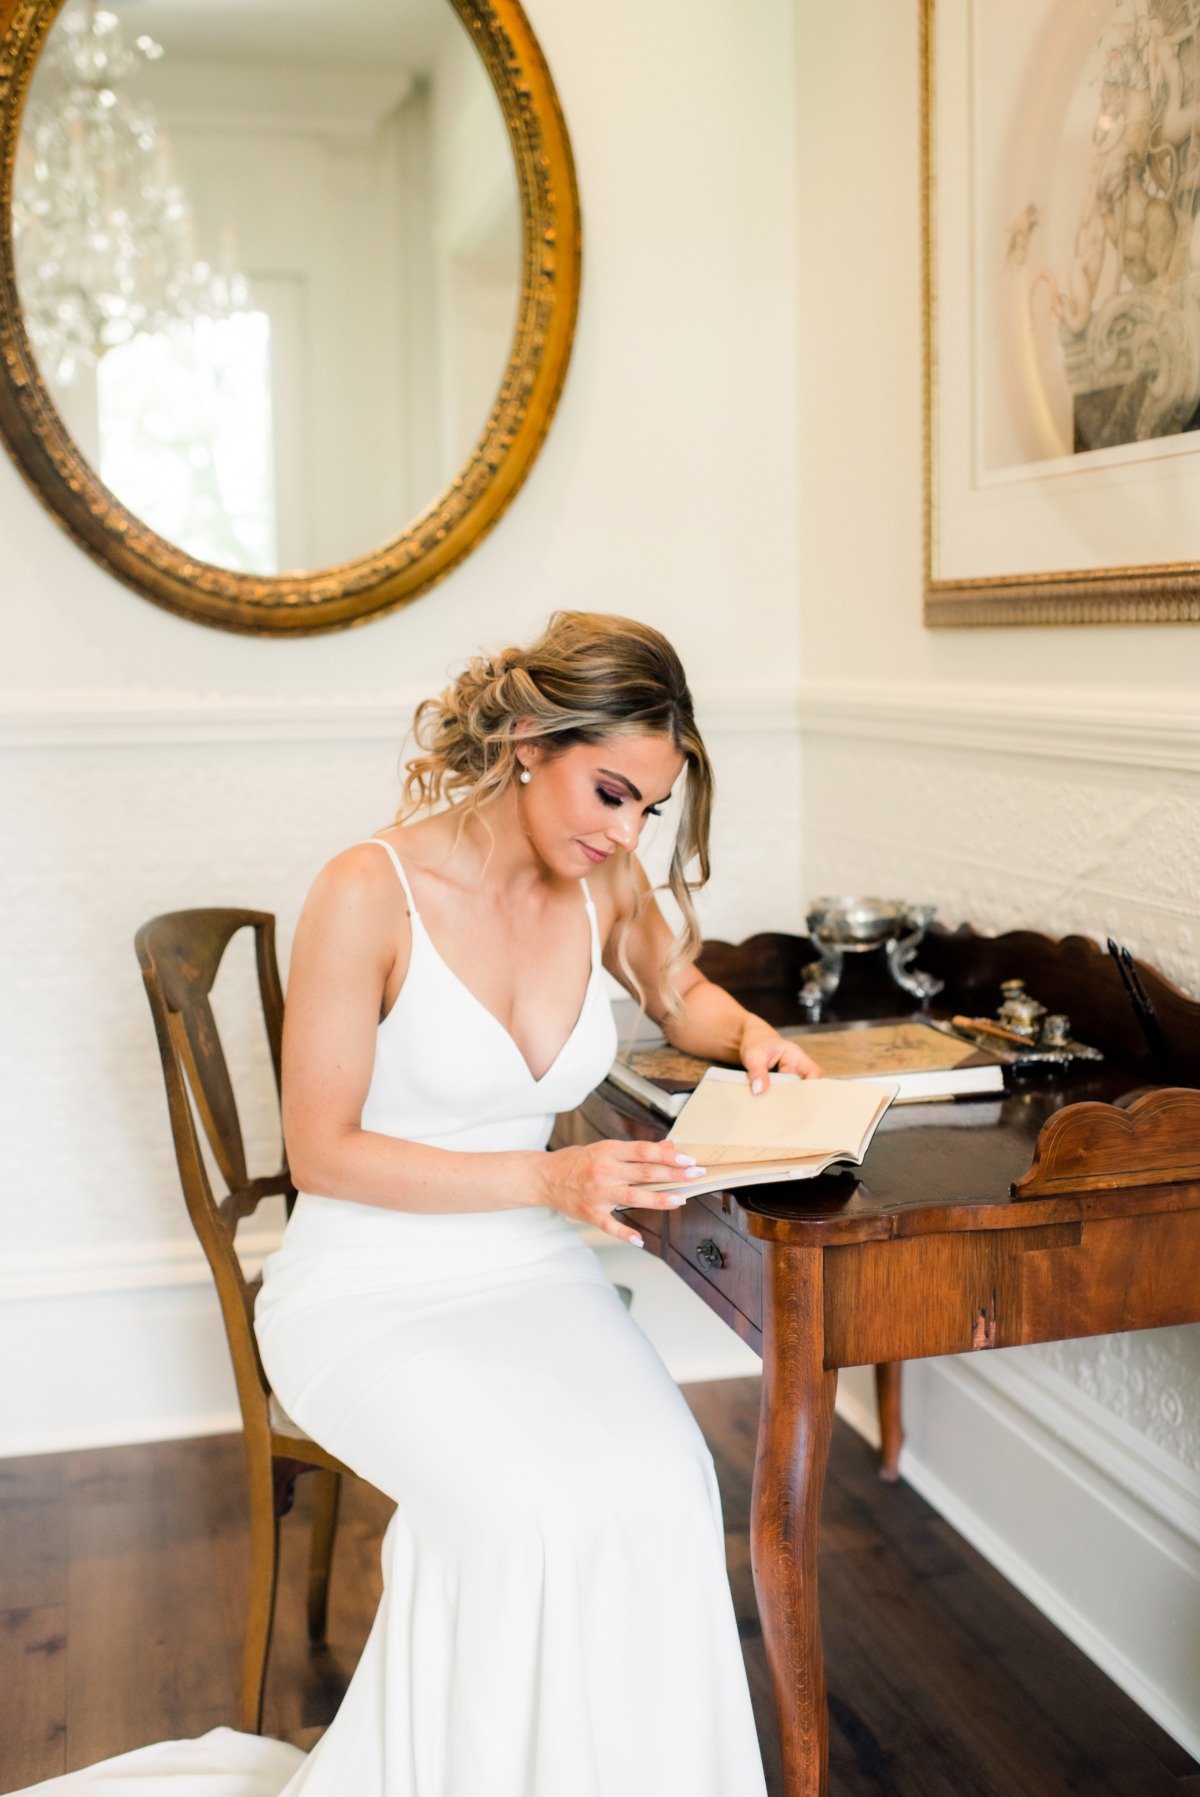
pixel 287 290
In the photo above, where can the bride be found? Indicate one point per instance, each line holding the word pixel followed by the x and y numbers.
pixel 556 1618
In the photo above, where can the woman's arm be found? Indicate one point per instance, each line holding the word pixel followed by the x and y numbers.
pixel 711 1023
pixel 352 934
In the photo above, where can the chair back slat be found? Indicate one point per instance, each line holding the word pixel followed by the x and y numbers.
pixel 194 1032
pixel 180 955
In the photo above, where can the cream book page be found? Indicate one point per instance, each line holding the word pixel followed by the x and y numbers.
pixel 792 1130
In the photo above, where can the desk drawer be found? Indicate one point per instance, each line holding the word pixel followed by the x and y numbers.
pixel 729 1262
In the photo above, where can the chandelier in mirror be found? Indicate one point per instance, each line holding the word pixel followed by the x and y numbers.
pixel 323 440
pixel 103 234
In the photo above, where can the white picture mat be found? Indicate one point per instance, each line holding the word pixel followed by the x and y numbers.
pixel 1134 506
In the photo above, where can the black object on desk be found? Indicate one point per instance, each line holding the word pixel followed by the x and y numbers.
pixel 1143 1010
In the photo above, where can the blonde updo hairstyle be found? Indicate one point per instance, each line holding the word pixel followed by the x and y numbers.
pixel 588 677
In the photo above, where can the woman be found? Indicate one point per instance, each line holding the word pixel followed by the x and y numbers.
pixel 556 1618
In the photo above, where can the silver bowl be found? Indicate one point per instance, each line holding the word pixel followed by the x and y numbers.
pixel 856 925
pixel 850 925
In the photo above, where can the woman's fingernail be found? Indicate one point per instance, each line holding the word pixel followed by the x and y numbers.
pixel 677 1198
pixel 695 1172
pixel 756 1085
pixel 685 1160
pixel 635 1241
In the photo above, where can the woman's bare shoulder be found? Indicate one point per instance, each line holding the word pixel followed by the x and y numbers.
pixel 358 888
pixel 363 867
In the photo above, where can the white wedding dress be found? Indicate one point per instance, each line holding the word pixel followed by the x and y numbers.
pixel 556 1618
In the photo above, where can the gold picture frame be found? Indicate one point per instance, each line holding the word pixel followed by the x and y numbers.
pixel 432 544
pixel 991 553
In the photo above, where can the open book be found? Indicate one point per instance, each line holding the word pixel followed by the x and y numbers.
pixel 794 1130
pixel 925 1062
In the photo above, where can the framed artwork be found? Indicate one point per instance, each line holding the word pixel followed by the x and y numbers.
pixel 1061 178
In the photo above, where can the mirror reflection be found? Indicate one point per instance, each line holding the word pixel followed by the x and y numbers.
pixel 268 254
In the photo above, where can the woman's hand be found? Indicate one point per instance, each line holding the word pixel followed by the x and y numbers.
pixel 590 1183
pixel 762 1049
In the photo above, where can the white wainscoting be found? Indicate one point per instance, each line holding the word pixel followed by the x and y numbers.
pixel 1075 1468
pixel 135 803
pixel 129 1346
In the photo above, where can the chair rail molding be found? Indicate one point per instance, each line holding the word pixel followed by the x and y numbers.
pixel 1159 728
pixel 120 717
pixel 1121 726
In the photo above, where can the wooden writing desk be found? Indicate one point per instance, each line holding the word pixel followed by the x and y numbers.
pixel 928 1251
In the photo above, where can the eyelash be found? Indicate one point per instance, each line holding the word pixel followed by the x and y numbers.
pixel 614 798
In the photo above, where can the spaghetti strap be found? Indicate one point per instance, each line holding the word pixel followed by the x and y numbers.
pixel 400 873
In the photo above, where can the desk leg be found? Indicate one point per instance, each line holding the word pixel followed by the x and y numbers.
pixel 891 1428
pixel 789 1481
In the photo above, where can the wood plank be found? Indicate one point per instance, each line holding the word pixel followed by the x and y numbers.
pixel 1024 1651
pixel 1128 1273
pixel 33 1695
pixel 33 1532
pixel 907 1298
pixel 141 1533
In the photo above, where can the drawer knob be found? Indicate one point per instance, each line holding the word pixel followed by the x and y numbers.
pixel 708 1252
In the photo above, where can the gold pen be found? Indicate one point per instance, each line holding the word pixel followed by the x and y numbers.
pixel 982 1026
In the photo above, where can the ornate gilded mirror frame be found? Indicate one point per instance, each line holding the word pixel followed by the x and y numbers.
pixel 354 591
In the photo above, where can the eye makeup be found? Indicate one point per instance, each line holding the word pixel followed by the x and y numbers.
pixel 618 798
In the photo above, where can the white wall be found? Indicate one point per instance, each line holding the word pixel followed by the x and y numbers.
pixel 150 763
pixel 1046 778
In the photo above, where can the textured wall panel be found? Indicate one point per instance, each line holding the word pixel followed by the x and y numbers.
pixel 1012 840
pixel 100 836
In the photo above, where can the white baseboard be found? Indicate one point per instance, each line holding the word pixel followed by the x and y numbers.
pixel 117 1345
pixel 1095 1525
pixel 693 1341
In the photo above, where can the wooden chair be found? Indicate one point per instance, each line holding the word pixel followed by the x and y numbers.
pixel 180 954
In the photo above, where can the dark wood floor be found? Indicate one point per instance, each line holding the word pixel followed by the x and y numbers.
pixel 121 1587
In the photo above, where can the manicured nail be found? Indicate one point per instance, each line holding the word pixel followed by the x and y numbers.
pixel 677 1198
pixel 685 1160
pixel 635 1241
pixel 695 1172
pixel 756 1085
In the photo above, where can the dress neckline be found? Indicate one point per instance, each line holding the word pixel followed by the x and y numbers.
pixel 535 1078
pixel 419 927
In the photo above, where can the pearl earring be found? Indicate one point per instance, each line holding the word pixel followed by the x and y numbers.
pixel 525 776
